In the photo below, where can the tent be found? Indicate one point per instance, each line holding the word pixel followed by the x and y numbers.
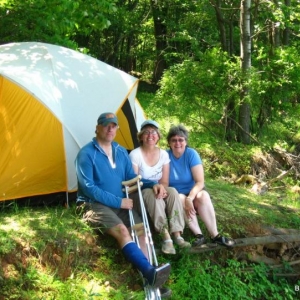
pixel 50 99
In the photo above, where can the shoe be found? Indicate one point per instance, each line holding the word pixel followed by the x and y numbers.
pixel 224 241
pixel 165 292
pixel 168 247
pixel 199 240
pixel 182 243
pixel 157 276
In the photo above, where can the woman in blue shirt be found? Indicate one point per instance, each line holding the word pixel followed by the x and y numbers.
pixel 187 176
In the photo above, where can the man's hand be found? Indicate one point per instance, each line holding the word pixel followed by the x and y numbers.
pixel 189 207
pixel 127 203
pixel 160 191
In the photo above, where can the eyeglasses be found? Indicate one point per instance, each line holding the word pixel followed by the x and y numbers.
pixel 153 132
pixel 180 140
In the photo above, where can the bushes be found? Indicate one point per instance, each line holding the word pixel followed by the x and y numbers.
pixel 201 279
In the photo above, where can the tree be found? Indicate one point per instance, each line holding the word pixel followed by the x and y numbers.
pixel 160 33
pixel 244 111
pixel 52 21
pixel 206 56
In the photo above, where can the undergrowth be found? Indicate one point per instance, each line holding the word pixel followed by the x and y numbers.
pixel 233 280
pixel 49 253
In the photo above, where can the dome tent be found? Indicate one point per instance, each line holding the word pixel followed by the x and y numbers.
pixel 50 99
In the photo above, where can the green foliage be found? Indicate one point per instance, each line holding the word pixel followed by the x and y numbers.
pixel 56 22
pixel 198 93
pixel 275 88
pixel 202 83
pixel 6 244
pixel 193 91
pixel 202 279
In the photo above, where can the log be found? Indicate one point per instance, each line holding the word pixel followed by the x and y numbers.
pixel 291 263
pixel 251 241
pixel 278 231
pixel 261 188
pixel 281 176
pixel 256 258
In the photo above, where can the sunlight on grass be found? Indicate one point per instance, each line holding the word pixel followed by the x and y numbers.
pixel 10 224
pixel 22 225
pixel 253 211
pixel 49 253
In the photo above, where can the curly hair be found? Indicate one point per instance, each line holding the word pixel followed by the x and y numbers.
pixel 179 130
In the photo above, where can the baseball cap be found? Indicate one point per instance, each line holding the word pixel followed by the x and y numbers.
pixel 151 123
pixel 106 118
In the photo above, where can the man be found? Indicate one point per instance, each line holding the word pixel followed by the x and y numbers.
pixel 101 166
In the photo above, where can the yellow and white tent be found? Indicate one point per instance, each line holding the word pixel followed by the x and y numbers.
pixel 50 99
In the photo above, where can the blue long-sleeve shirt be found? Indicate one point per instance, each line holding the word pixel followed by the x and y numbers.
pixel 98 181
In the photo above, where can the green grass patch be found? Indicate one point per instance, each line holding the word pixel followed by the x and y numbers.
pixel 49 253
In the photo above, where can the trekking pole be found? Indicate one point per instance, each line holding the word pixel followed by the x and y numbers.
pixel 134 185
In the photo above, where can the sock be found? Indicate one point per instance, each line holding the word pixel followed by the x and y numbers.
pixel 135 255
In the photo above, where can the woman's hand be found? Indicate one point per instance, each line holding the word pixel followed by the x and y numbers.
pixel 189 207
pixel 160 191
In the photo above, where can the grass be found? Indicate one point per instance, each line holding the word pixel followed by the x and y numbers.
pixel 49 253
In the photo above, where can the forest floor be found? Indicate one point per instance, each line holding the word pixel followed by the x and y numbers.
pixel 47 252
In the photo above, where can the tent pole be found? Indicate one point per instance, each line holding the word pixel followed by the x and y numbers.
pixel 67 198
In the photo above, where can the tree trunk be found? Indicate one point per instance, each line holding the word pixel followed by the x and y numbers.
pixel 286 31
pixel 160 32
pixel 251 241
pixel 276 30
pixel 230 121
pixel 221 23
pixel 244 112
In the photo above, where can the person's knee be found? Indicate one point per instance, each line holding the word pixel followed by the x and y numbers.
pixel 148 195
pixel 172 191
pixel 119 231
pixel 203 198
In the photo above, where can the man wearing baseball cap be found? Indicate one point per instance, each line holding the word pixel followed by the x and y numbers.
pixel 106 118
pixel 102 165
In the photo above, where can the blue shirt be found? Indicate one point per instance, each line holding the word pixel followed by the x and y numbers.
pixel 181 177
pixel 98 180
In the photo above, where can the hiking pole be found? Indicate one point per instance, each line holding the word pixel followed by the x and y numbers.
pixel 138 229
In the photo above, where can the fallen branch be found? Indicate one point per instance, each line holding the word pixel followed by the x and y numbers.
pixel 288 275
pixel 291 263
pixel 251 241
pixel 262 187
pixel 280 231
pixel 256 258
pixel 280 176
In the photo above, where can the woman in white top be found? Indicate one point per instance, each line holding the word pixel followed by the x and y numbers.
pixel 165 209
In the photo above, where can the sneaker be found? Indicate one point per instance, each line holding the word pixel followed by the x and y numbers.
pixel 182 243
pixel 168 247
pixel 157 276
pixel 165 292
pixel 199 240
